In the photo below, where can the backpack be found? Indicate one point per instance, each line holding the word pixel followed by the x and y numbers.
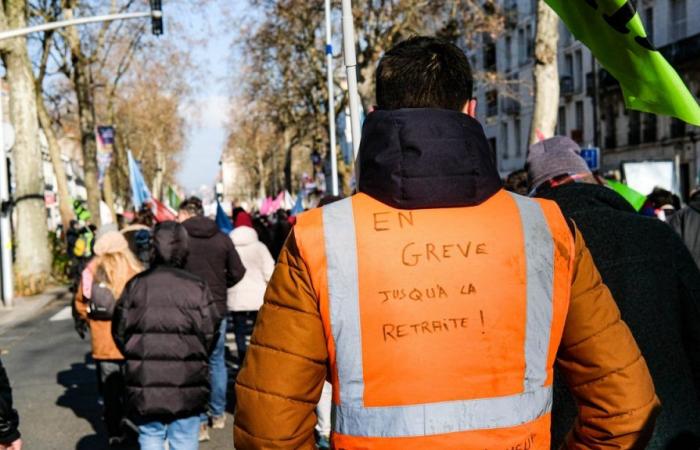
pixel 101 303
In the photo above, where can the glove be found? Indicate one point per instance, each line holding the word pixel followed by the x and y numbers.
pixel 81 327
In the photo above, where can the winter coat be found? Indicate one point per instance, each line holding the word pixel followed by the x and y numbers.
pixel 165 324
pixel 103 346
pixel 9 419
pixel 248 294
pixel 213 258
pixel 657 288
pixel 686 222
pixel 415 159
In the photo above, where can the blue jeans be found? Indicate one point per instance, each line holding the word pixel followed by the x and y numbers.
pixel 182 434
pixel 218 376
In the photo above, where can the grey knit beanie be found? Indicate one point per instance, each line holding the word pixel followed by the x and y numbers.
pixel 554 157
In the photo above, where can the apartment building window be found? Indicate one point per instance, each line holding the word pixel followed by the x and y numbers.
pixel 635 128
pixel 561 122
pixel 678 19
pixel 518 138
pixel 650 125
pixel 610 127
pixel 522 47
pixel 533 6
pixel 677 128
pixel 492 103
pixel 649 23
pixel 504 139
pixel 578 134
pixel 578 71
pixel 530 41
pixel 489 49
pixel 509 53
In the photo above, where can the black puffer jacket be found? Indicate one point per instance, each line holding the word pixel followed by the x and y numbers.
pixel 9 420
pixel 657 288
pixel 213 258
pixel 165 325
pixel 686 222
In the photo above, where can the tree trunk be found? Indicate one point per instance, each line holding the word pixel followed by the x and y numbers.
pixel 545 73
pixel 109 194
pixel 157 190
pixel 64 200
pixel 33 255
pixel 86 113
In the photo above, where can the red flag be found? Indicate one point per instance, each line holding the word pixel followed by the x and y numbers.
pixel 162 212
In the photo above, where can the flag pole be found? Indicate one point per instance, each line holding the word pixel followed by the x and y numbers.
pixel 351 67
pixel 331 100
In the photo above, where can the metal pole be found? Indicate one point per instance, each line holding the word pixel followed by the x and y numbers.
pixel 5 226
pixel 80 21
pixel 331 99
pixel 351 66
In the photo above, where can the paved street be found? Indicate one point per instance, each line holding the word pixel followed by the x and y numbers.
pixel 53 378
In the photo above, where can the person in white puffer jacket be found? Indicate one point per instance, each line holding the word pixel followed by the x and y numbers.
pixel 246 297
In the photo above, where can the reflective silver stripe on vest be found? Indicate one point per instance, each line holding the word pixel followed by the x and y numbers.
pixel 343 294
pixel 351 417
pixel 539 248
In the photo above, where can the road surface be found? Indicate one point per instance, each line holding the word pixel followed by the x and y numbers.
pixel 53 379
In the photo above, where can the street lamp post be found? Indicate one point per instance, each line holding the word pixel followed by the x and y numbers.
pixel 6 214
pixel 331 100
pixel 351 67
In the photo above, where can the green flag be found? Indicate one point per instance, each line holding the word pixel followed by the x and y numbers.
pixel 613 31
pixel 634 198
pixel 173 199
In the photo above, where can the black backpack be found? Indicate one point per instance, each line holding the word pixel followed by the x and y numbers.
pixel 101 303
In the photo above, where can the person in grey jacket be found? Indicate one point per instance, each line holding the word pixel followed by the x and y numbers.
pixel 686 222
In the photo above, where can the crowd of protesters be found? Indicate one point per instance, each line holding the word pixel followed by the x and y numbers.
pixel 621 289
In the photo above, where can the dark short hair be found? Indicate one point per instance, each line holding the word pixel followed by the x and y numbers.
pixel 424 72
pixel 192 205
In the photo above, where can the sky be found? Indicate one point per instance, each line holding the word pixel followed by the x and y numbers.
pixel 207 113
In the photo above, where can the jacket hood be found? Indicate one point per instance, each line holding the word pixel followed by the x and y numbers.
pixel 426 158
pixel 586 196
pixel 243 235
pixel 200 227
pixel 170 244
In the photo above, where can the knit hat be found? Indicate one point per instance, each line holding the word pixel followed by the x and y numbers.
pixel 110 242
pixel 105 229
pixel 243 220
pixel 553 157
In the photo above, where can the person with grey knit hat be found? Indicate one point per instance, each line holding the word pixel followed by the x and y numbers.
pixel 555 159
pixel 652 277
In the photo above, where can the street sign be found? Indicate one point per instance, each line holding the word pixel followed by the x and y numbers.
pixel 592 157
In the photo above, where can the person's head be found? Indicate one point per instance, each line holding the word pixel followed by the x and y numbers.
pixel 145 217
pixel 192 206
pixel 243 219
pixel 425 72
pixel 660 198
pixel 115 260
pixel 170 244
pixel 517 182
pixel 557 161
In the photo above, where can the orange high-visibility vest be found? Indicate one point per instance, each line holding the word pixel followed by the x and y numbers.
pixel 442 325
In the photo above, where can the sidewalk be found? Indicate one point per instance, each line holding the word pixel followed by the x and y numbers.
pixel 27 307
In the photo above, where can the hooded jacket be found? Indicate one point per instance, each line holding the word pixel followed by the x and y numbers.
pixel 248 294
pixel 213 258
pixel 165 325
pixel 426 158
pixel 657 288
pixel 686 222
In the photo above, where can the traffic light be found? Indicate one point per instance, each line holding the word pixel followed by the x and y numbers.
pixel 156 17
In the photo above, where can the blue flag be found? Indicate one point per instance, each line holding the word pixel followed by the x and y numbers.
pixel 222 220
pixel 139 191
pixel 299 205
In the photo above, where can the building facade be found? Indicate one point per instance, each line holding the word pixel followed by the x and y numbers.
pixel 591 107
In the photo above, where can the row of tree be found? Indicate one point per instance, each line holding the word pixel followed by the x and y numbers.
pixel 69 81
pixel 282 89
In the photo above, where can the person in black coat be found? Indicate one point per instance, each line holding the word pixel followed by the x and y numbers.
pixel 165 325
pixel 213 258
pixel 9 419
pixel 653 279
pixel 686 222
